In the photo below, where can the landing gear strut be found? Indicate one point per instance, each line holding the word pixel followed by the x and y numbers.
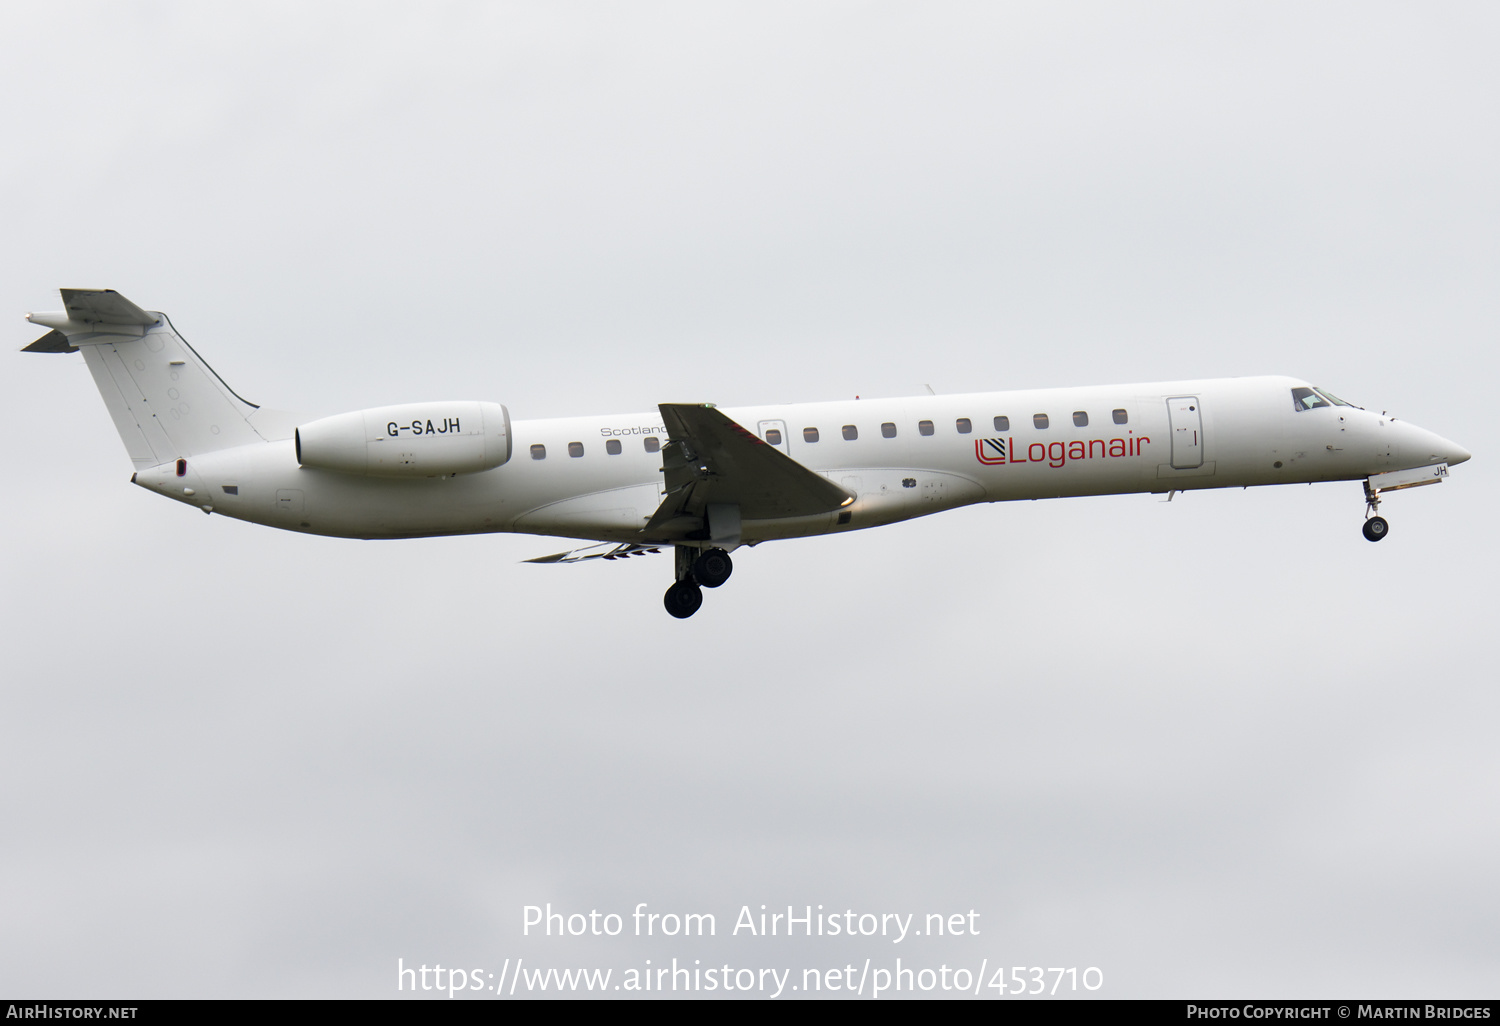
pixel 1375 526
pixel 695 571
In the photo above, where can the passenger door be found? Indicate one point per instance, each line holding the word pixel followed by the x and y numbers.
pixel 1186 416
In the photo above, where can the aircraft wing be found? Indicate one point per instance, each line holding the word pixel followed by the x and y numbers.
pixel 711 460
pixel 607 550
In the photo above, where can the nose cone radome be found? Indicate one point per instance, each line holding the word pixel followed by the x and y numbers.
pixel 1422 447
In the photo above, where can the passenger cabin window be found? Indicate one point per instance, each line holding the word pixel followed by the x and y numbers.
pixel 773 437
pixel 575 449
pixel 850 432
pixel 612 447
pixel 1307 399
pixel 1040 420
pixel 964 425
pixel 1002 423
pixel 1121 417
pixel 1080 418
pixel 924 427
pixel 653 444
pixel 539 452
pixel 809 434
pixel 888 430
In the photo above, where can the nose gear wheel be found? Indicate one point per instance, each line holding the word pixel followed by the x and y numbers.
pixel 1375 526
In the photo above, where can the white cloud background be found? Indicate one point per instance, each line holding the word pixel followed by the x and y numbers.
pixel 1222 746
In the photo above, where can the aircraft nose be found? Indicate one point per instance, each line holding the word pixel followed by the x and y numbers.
pixel 1420 447
pixel 1441 450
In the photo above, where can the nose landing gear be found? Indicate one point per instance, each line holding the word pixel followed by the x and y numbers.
pixel 1375 526
pixel 695 571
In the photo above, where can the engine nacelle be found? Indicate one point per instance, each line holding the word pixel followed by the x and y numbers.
pixel 410 440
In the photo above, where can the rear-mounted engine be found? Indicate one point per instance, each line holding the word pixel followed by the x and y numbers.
pixel 411 440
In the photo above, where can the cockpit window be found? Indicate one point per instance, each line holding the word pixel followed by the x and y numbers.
pixel 1332 398
pixel 1307 399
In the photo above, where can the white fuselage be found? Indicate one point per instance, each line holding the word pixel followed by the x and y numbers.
pixel 904 458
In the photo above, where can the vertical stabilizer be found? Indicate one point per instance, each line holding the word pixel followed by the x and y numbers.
pixel 166 402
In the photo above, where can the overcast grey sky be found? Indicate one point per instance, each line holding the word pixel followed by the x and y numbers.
pixel 1222 746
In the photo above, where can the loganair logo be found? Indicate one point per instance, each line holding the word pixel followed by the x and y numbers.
pixel 993 452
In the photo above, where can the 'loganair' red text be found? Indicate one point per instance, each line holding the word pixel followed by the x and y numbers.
pixel 993 452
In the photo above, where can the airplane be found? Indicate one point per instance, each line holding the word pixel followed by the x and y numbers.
pixel 702 481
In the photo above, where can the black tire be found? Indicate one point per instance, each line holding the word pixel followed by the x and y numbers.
pixel 1376 528
pixel 683 599
pixel 713 568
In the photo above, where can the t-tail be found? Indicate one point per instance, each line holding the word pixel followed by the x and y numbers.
pixel 166 402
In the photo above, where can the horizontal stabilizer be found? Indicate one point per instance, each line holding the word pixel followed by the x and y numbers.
pixel 607 550
pixel 52 342
pixel 103 306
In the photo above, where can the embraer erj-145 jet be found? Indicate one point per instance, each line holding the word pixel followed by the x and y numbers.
pixel 701 480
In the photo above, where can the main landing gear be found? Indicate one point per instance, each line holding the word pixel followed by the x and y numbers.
pixel 1375 526
pixel 683 599
pixel 712 568
pixel 696 571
